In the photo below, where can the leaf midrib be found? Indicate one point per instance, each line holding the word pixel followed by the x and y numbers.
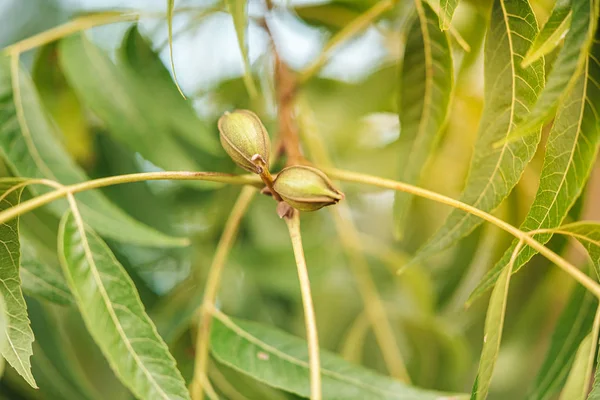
pixel 225 320
pixel 511 120
pixel 106 299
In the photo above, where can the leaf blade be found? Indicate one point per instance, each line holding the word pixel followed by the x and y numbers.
pixel 566 67
pixel 115 316
pixel 571 151
pixel 170 9
pixel 238 11
pixel 571 328
pixel 494 323
pixel 239 344
pixel 29 144
pixel 17 332
pixel 552 32
pixel 427 79
pixel 511 90
pixel 447 8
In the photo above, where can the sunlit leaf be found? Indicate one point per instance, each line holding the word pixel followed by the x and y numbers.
pixel 121 104
pixel 17 330
pixel 39 279
pixel 571 328
pixel 426 82
pixel 551 34
pixel 447 8
pixel 492 334
pixel 567 66
pixel 30 145
pixel 114 315
pixel 239 13
pixel 167 105
pixel 570 155
pixel 509 92
pixel 281 360
pixel 588 234
pixel 578 381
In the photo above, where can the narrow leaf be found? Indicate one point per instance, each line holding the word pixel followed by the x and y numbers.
pixel 3 326
pixel 114 315
pixel 281 360
pixel 570 155
pixel 572 326
pixel 492 334
pixel 566 68
pixel 509 92
pixel 170 8
pixel 239 13
pixel 551 34
pixel 18 333
pixel 147 69
pixel 588 234
pixel 29 142
pixel 39 278
pixel 578 382
pixel 447 8
pixel 118 101
pixel 426 82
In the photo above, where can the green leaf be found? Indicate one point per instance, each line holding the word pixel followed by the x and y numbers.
pixel 239 13
pixel 39 278
pixel 588 234
pixel 572 326
pixel 447 8
pixel 551 34
pixel 29 142
pixel 566 68
pixel 426 82
pixel 114 315
pixel 492 334
pixel 281 360
pixel 18 333
pixel 170 8
pixel 509 92
pixel 570 155
pixel 118 101
pixel 578 382
pixel 3 326
pixel 167 105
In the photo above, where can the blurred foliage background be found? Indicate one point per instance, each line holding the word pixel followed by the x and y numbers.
pixel 351 105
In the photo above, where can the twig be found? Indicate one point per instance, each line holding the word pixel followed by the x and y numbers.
pixel 293 223
pixel 44 199
pixel 212 285
pixel 569 268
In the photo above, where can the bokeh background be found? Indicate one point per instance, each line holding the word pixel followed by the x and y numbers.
pixel 351 106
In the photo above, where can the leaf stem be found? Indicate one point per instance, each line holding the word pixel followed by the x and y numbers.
pixel 44 199
pixel 357 262
pixel 569 268
pixel 357 25
pixel 293 223
pixel 212 286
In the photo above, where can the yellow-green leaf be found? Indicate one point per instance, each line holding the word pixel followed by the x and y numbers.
pixel 570 155
pixel 566 68
pixel 551 34
pixel 510 90
pixel 281 360
pixel 426 82
pixel 114 314
pixel 492 334
pixel 170 9
pixel 239 13
pixel 447 8
pixel 17 330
